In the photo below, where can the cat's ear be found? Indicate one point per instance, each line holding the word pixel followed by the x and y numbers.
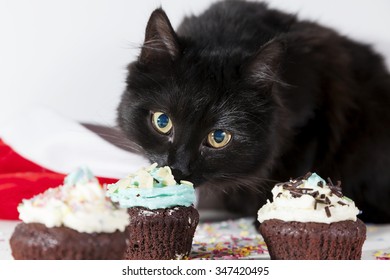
pixel 161 42
pixel 263 67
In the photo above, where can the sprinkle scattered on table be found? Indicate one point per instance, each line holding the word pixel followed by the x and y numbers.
pixel 382 255
pixel 232 239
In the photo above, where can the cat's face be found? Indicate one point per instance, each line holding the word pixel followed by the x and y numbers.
pixel 208 125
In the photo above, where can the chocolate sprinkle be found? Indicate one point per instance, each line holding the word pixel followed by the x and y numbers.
pixel 296 184
pixel 305 189
pixel 321 201
pixel 341 203
pixel 300 178
pixel 337 193
pixel 295 193
pixel 293 187
pixel 335 189
pixel 327 212
pixel 315 194
pixel 308 174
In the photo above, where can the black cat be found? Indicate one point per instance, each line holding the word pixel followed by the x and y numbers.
pixel 243 96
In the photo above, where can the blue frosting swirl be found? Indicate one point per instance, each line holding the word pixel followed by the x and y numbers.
pixel 81 175
pixel 155 198
pixel 152 188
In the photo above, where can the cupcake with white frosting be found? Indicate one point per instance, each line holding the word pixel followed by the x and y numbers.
pixel 73 221
pixel 310 218
pixel 162 214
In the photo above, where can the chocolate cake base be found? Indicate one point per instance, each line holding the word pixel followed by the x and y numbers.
pixel 161 234
pixel 314 241
pixel 35 241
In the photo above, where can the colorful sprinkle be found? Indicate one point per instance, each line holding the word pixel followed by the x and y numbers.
pixel 216 241
pixel 381 255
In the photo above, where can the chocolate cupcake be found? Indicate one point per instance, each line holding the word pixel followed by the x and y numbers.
pixel 162 216
pixel 73 221
pixel 311 219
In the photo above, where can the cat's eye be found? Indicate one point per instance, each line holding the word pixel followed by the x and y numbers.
pixel 219 138
pixel 161 122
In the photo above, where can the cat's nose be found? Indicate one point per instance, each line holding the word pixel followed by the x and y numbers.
pixel 180 174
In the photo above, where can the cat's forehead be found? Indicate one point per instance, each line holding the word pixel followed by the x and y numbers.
pixel 189 99
pixel 219 65
pixel 195 104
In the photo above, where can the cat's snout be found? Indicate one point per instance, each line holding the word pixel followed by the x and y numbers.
pixel 180 174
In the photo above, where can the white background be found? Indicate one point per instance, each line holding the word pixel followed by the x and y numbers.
pixel 70 56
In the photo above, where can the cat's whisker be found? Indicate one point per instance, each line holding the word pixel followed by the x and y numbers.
pixel 123 142
pixel 232 182
pixel 149 45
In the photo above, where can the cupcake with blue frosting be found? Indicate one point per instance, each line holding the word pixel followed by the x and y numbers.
pixel 162 214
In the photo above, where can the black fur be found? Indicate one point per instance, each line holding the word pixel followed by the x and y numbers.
pixel 296 96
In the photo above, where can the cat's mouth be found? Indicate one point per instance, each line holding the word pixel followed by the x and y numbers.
pixel 197 179
pixel 180 175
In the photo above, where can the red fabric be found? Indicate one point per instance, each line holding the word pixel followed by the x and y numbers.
pixel 21 178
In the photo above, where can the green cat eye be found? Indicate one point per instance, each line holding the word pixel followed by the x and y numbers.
pixel 161 122
pixel 219 138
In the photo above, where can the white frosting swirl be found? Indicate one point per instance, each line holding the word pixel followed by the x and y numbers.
pixel 309 200
pixel 80 204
